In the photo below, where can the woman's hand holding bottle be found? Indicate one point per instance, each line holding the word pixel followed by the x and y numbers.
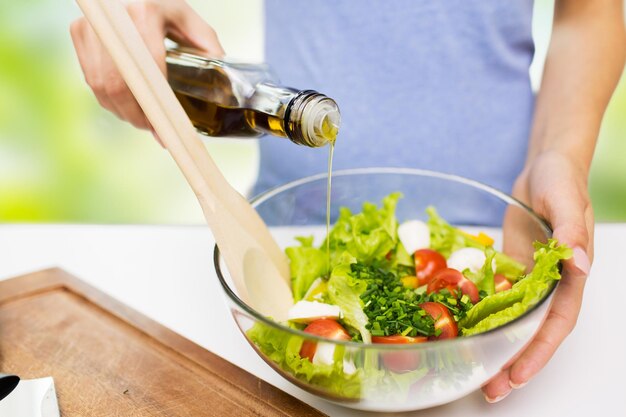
pixel 155 20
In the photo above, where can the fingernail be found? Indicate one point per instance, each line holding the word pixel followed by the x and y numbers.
pixel 497 399
pixel 581 260
pixel 517 386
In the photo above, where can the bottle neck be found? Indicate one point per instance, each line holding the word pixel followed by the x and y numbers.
pixel 312 119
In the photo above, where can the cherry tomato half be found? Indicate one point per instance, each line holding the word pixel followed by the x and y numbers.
pixel 502 284
pixel 451 279
pixel 427 263
pixel 402 360
pixel 443 320
pixel 469 288
pixel 445 278
pixel 327 328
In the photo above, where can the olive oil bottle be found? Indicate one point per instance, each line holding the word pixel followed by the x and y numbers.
pixel 228 99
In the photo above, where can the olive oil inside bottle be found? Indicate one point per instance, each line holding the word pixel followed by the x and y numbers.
pixel 232 99
pixel 218 120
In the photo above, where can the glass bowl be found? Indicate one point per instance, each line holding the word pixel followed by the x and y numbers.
pixel 380 377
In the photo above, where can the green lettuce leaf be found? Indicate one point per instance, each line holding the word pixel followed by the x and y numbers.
pixel 306 264
pixel 345 291
pixel 445 238
pixel 487 282
pixel 284 350
pixel 403 257
pixel 368 235
pixel 547 257
pixel 491 305
pixel 509 267
pixel 500 308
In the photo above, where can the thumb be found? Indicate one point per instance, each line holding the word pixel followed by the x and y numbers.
pixel 186 27
pixel 569 212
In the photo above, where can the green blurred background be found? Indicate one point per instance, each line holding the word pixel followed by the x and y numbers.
pixel 64 159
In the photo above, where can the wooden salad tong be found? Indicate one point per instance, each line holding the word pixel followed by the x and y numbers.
pixel 257 265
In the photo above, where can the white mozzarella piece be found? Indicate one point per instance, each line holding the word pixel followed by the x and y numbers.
pixel 348 366
pixel 414 235
pixel 324 354
pixel 467 258
pixel 307 311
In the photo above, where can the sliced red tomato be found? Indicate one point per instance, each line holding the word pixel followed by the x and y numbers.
pixel 469 288
pixel 443 320
pixel 327 328
pixel 427 263
pixel 445 278
pixel 402 360
pixel 451 279
pixel 502 284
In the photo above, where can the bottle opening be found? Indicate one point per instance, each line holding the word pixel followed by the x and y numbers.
pixel 313 119
pixel 320 120
pixel 326 125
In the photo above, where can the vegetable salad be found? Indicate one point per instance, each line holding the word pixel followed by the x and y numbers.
pixel 389 283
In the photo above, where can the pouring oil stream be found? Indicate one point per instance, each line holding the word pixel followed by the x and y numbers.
pixel 329 130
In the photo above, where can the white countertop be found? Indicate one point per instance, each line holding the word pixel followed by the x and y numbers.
pixel 585 377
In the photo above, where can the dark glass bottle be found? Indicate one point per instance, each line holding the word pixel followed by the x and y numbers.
pixel 228 99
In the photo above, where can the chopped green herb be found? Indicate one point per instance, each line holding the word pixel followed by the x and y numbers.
pixel 390 307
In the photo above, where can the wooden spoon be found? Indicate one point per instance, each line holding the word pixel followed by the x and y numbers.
pixel 256 264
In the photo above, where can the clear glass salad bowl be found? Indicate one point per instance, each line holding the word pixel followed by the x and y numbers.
pixel 387 377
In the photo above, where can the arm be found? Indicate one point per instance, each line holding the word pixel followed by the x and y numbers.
pixel 584 64
pixel 585 59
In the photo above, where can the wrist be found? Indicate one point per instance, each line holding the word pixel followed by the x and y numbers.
pixel 574 141
pixel 549 165
pixel 566 152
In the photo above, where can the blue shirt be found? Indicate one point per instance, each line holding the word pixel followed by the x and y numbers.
pixel 439 85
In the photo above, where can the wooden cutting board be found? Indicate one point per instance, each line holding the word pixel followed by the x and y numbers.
pixel 109 360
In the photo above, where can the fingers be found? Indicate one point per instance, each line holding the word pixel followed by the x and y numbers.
pixel 560 322
pixel 83 39
pixel 186 27
pixel 110 89
pixel 558 325
pixel 498 387
pixel 127 108
pixel 569 211
pixel 102 75
pixel 572 219
pixel 154 19
pixel 565 209
pixel 149 19
pixel 557 190
pixel 591 226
